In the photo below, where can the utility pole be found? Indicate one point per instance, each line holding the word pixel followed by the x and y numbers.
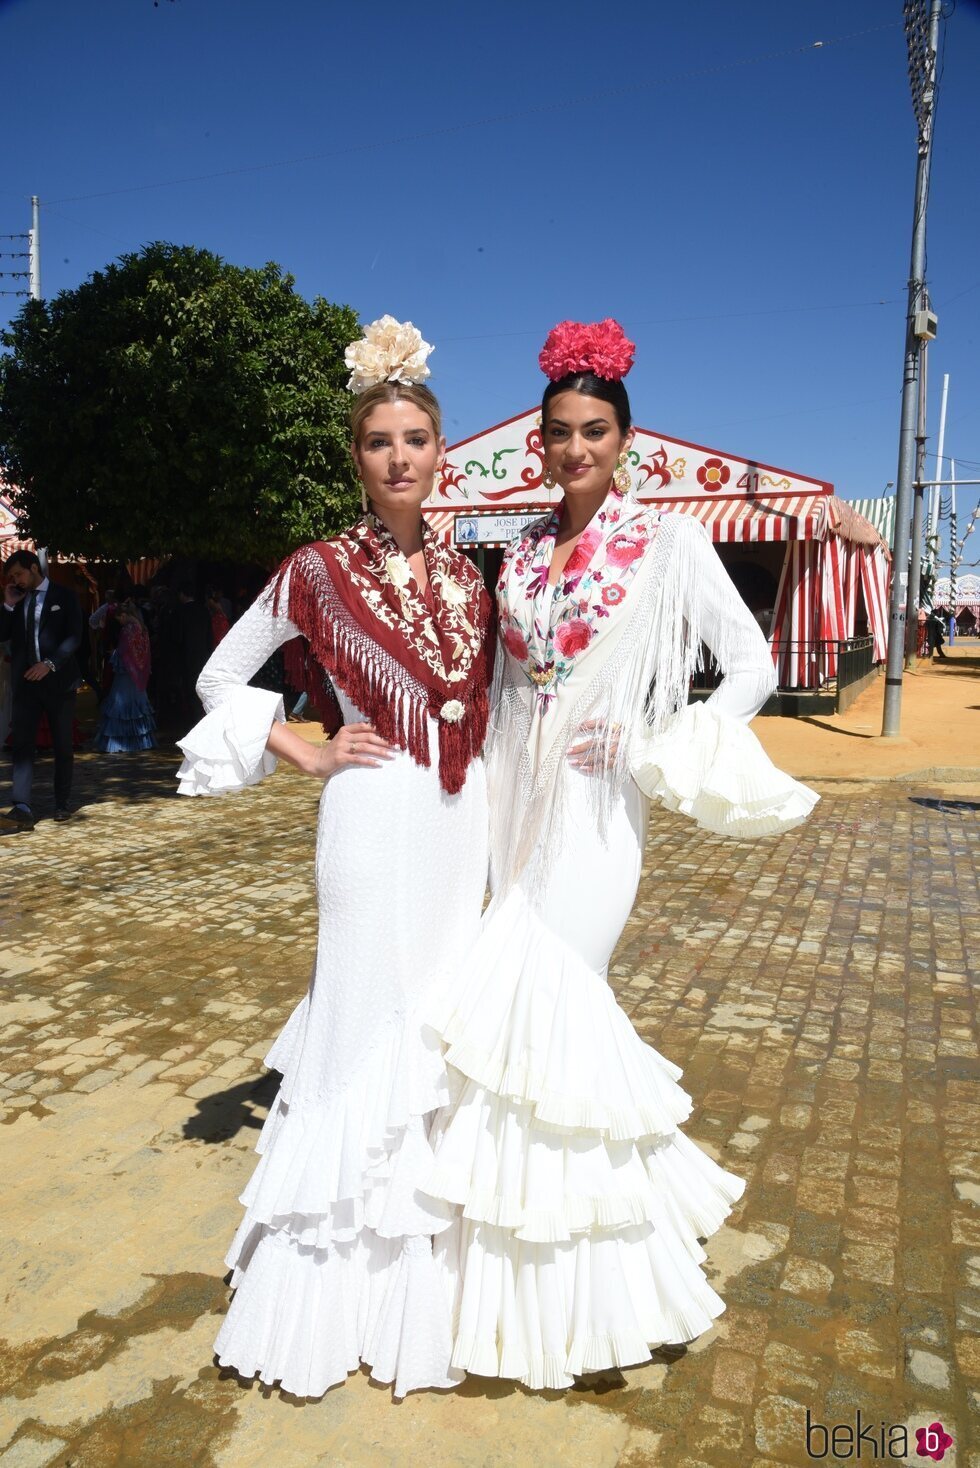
pixel 952 551
pixel 35 248
pixel 922 35
pixel 915 561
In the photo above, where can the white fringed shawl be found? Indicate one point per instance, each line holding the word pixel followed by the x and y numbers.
pixel 632 680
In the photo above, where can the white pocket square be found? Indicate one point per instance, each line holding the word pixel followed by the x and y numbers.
pixel 56 609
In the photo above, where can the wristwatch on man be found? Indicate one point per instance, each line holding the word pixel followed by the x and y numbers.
pixel 49 664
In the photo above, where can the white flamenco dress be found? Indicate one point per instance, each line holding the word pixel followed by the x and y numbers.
pixel 583 1203
pixel 332 1264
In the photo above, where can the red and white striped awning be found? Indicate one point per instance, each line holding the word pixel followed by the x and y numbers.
pixel 742 522
pixel 798 517
pixel 745 521
pixel 441 521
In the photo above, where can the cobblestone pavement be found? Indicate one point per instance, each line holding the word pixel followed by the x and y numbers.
pixel 815 988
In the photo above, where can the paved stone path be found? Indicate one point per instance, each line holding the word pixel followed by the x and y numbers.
pixel 815 988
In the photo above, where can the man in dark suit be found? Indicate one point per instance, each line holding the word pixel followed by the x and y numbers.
pixel 43 623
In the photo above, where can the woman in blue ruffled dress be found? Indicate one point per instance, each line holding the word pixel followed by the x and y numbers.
pixel 126 722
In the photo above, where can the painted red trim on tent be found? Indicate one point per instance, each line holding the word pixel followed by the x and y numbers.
pixel 825 487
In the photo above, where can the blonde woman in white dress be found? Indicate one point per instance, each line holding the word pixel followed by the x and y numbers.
pixel 583 1203
pixel 389 632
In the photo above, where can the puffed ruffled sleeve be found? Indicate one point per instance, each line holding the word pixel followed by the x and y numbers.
pixel 227 749
pixel 711 767
pixel 707 764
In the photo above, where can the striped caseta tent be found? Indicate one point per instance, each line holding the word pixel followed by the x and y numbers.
pixel 835 566
pixel 880 512
pixel 833 558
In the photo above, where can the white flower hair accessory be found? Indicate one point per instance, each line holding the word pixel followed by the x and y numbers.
pixel 389 351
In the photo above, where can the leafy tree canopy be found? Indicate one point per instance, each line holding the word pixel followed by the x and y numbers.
pixel 174 403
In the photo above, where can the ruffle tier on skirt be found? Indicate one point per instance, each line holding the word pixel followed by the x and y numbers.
pixel 332 1263
pixel 126 722
pixel 583 1205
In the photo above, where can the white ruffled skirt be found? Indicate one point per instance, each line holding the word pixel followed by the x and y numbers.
pixel 583 1204
pixel 332 1264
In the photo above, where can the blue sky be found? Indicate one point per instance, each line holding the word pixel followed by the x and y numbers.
pixel 739 197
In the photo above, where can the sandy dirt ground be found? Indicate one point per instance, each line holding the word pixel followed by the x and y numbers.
pixel 819 990
pixel 940 727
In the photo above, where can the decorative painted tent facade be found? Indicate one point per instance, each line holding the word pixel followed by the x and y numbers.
pixel 967 602
pixel 816 571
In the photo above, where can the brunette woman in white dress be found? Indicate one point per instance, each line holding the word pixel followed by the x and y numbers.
pixel 333 1260
pixel 583 1203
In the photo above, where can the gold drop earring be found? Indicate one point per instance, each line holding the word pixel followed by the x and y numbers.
pixel 622 479
pixel 547 480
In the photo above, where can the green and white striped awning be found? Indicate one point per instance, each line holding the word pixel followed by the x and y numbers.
pixel 881 513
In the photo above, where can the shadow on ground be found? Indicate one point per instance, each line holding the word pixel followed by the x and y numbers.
pixel 223 1115
pixel 101 779
pixel 834 728
pixel 945 807
pixel 968 665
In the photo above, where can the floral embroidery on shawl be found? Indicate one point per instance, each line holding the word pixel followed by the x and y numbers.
pixel 368 627
pixel 545 631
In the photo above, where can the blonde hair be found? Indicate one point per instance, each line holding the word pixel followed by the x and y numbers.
pixel 391 392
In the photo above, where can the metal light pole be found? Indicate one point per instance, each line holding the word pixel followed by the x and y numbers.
pixel 952 551
pixel 922 72
pixel 915 560
pixel 35 248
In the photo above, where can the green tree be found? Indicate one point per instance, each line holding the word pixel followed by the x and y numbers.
pixel 174 403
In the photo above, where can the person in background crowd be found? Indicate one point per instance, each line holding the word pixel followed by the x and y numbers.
pixel 126 723
pixel 220 621
pixel 216 594
pixel 935 634
pixel 108 629
pixel 105 636
pixel 5 691
pixel 194 635
pixel 43 623
pixel 297 714
pixel 165 660
pixel 241 602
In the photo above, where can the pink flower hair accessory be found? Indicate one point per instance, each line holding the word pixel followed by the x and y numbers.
pixel 599 347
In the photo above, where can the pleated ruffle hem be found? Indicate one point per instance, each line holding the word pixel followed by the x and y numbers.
pixel 583 1205
pixel 332 1264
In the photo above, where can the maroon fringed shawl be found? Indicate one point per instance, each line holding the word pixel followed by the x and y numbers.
pixel 367 626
